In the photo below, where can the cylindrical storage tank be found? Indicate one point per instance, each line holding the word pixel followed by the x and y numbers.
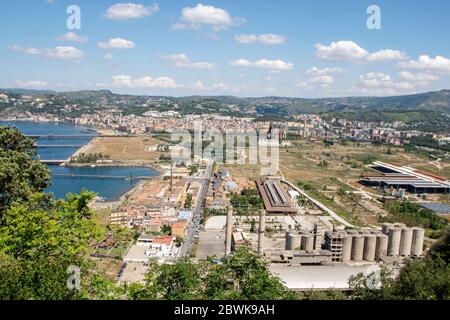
pixel 382 246
pixel 370 243
pixel 385 228
pixel 308 242
pixel 394 242
pixel 288 241
pixel 293 241
pixel 406 242
pixel 347 248
pixel 357 248
pixel 417 242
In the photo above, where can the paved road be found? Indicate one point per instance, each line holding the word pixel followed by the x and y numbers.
pixel 197 212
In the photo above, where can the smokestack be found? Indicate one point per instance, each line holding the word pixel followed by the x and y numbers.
pixel 228 231
pixel 171 176
pixel 304 127
pixel 262 230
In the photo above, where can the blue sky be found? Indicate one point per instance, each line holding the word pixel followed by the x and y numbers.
pixel 231 47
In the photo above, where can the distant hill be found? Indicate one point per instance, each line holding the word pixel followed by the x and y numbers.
pixel 438 101
pixel 26 92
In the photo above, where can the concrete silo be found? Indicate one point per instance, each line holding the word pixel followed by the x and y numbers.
pixel 347 248
pixel 293 241
pixel 417 242
pixel 385 228
pixel 394 242
pixel 308 242
pixel 382 246
pixel 357 248
pixel 370 243
pixel 406 241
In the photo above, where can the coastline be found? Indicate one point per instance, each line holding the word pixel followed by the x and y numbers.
pixel 88 147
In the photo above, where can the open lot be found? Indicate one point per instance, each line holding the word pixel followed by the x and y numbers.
pixel 211 243
pixel 125 149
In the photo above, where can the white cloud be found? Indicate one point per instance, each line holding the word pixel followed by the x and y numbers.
pixel 351 51
pixel 437 64
pixel 262 38
pixel 71 37
pixel 61 53
pixel 31 84
pixel 341 50
pixel 116 43
pixel 314 71
pixel 379 84
pixel 65 53
pixel 126 81
pixel 320 79
pixel 182 61
pixel 323 80
pixel 28 50
pixel 128 11
pixel 386 55
pixel 195 17
pixel 108 56
pixel 424 77
pixel 278 65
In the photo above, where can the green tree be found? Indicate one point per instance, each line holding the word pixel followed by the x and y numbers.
pixel 20 175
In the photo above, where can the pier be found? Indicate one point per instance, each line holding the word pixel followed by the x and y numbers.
pixel 58 145
pixel 53 162
pixel 57 136
pixel 91 176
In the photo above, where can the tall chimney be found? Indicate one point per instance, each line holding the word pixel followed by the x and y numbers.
pixel 304 127
pixel 229 231
pixel 262 230
pixel 171 176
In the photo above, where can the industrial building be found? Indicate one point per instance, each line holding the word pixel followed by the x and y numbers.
pixel 395 240
pixel 299 257
pixel 275 198
pixel 409 179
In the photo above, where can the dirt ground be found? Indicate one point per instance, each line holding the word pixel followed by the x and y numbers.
pixel 125 148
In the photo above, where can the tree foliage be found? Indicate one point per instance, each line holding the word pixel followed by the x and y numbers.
pixel 20 174
pixel 243 275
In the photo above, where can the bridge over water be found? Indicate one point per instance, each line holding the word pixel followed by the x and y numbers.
pixel 61 136
pixel 93 176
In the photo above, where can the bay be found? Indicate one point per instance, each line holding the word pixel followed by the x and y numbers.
pixel 74 179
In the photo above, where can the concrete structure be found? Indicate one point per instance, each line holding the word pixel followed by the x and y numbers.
pixel 239 239
pixel 229 230
pixel 308 242
pixel 370 242
pixel 347 248
pixel 293 241
pixel 333 242
pixel 261 231
pixel 381 246
pixel 406 241
pixel 394 241
pixel 306 278
pixel 299 257
pixel 357 248
pixel 417 242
